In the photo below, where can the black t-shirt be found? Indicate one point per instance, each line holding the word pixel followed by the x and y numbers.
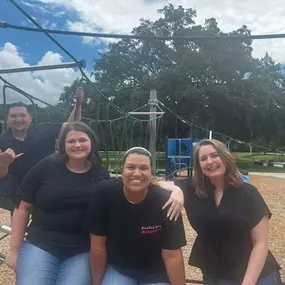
pixel 60 198
pixel 136 233
pixel 39 143
pixel 223 245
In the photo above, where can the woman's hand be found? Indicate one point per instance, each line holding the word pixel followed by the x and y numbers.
pixel 11 259
pixel 176 200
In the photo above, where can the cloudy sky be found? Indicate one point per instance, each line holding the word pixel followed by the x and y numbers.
pixel 112 16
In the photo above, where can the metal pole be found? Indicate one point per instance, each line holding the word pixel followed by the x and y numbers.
pixel 146 113
pixel 152 138
pixel 250 149
pixel 81 64
pixel 210 135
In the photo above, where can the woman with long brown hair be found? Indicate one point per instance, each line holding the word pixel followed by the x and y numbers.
pixel 55 193
pixel 231 220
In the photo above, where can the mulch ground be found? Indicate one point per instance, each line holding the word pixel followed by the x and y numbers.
pixel 272 190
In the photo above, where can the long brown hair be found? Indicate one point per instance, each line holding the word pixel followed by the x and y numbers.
pixel 232 175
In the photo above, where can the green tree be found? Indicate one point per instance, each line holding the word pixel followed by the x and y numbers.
pixel 216 83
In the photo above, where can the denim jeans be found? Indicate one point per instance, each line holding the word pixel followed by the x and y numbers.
pixel 38 267
pixel 113 277
pixel 271 279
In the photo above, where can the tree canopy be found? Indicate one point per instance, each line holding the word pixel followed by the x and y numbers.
pixel 217 84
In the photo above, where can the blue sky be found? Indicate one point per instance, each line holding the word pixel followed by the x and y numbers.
pixel 18 48
pixel 32 46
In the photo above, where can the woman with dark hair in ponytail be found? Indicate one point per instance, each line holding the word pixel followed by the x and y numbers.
pixel 133 241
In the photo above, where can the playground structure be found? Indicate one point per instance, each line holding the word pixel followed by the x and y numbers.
pixel 179 156
pixel 178 152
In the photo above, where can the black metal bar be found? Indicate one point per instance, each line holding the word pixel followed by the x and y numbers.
pixel 5 107
pixel 44 102
pixel 166 157
pixel 82 64
pixel 5 25
pixel 32 97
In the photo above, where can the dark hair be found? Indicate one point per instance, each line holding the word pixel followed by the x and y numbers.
pixel 61 155
pixel 17 104
pixel 137 150
pixel 232 174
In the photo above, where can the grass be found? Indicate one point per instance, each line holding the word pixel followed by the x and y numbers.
pixel 246 162
pixel 263 169
pixel 258 156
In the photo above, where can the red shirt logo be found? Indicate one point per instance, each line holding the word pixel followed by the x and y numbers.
pixel 150 229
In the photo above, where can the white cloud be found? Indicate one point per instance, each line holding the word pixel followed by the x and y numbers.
pixel 261 17
pixel 84 27
pixel 43 9
pixel 46 85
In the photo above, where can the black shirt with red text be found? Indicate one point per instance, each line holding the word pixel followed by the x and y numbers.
pixel 136 233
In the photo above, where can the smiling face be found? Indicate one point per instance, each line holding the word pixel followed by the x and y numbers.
pixel 18 119
pixel 210 162
pixel 136 173
pixel 77 145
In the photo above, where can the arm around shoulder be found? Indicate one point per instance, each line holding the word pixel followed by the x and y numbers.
pixel 176 200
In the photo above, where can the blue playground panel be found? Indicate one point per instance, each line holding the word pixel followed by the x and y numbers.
pixel 179 154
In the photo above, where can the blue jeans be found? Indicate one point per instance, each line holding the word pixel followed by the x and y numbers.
pixel 271 279
pixel 36 266
pixel 113 277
